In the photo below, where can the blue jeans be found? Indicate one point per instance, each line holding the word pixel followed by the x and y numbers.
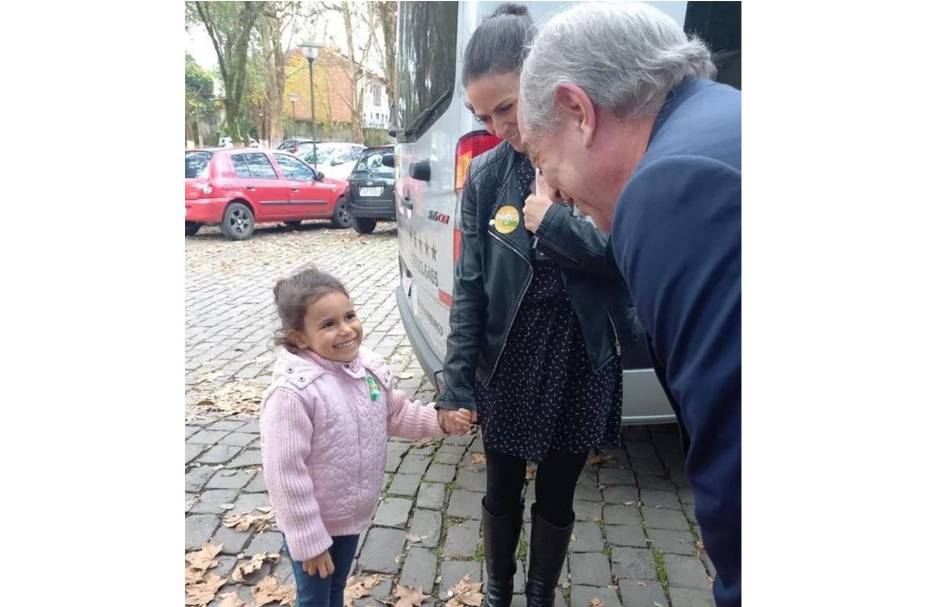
pixel 312 590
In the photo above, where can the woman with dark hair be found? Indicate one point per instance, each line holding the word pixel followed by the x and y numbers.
pixel 532 350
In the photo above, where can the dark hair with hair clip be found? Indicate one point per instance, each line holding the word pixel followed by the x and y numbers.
pixel 295 294
pixel 500 44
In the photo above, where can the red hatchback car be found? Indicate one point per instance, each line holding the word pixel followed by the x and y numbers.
pixel 240 187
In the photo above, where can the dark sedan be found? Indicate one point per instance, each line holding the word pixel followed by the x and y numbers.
pixel 371 187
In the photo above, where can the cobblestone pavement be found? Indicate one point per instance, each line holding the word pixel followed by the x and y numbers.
pixel 635 539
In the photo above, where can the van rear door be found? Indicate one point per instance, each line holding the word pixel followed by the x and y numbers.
pixel 425 198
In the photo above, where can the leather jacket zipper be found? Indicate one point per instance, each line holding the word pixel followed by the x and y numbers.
pixel 521 296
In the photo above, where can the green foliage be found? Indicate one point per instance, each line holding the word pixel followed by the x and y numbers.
pixel 199 89
pixel 229 25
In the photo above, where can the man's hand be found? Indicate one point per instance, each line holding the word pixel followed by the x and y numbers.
pixel 537 204
pixel 454 422
pixel 322 564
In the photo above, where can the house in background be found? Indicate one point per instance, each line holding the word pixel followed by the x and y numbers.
pixel 376 104
pixel 332 77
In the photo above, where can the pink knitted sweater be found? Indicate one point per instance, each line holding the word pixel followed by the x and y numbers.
pixel 323 444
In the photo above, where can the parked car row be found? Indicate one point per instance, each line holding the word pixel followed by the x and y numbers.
pixel 240 187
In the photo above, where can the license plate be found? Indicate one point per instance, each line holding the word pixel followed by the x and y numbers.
pixel 371 191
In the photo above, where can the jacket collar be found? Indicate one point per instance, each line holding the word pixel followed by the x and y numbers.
pixel 685 89
pixel 311 363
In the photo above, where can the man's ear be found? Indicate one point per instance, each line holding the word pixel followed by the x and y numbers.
pixel 577 109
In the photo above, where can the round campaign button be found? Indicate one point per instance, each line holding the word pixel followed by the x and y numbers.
pixel 506 219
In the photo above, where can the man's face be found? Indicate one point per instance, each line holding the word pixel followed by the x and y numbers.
pixel 562 158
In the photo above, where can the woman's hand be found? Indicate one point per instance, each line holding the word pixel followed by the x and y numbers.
pixel 454 422
pixel 537 204
pixel 322 564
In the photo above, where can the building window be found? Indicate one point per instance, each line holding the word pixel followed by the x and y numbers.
pixel 376 94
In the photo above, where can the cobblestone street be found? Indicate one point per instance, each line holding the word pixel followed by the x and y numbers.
pixel 635 540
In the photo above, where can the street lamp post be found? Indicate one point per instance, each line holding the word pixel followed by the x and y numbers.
pixel 293 98
pixel 311 52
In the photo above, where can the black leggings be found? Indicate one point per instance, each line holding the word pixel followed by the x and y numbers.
pixel 554 488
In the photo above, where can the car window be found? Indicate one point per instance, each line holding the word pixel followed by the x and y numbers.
pixel 372 163
pixel 240 163
pixel 260 166
pixel 293 168
pixel 196 164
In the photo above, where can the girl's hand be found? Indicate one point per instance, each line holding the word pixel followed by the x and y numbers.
pixel 454 422
pixel 322 564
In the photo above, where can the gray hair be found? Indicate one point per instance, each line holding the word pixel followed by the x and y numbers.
pixel 626 56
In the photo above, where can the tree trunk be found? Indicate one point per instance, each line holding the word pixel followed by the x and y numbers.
pixel 387 14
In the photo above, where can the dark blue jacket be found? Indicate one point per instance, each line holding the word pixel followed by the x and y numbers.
pixel 676 240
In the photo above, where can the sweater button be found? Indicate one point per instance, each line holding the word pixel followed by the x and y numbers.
pixel 289 369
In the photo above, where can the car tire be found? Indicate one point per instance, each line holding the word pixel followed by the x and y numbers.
pixel 292 224
pixel 341 217
pixel 192 228
pixel 237 222
pixel 364 225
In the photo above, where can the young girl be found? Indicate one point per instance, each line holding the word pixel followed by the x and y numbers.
pixel 324 425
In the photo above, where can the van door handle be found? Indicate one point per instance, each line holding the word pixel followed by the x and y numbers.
pixel 250 188
pixel 406 201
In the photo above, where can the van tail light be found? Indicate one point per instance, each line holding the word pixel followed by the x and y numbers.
pixel 469 147
pixel 206 188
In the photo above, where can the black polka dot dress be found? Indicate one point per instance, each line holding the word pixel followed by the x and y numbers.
pixel 545 397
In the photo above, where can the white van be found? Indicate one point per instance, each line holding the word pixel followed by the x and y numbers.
pixel 437 137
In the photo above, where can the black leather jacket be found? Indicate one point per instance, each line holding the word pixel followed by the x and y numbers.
pixel 495 271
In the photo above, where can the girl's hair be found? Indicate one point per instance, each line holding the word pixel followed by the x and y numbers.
pixel 499 44
pixel 295 294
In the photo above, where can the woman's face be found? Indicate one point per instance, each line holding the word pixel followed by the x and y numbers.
pixel 493 99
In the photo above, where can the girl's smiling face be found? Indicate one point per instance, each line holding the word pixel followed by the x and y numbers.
pixel 331 328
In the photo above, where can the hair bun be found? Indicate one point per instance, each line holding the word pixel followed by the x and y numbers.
pixel 510 8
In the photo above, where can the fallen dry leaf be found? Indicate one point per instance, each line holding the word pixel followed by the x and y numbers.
pixel 424 442
pixel 478 458
pixel 465 592
pixel 244 522
pixel 358 588
pixel 409 597
pixel 595 460
pixel 204 591
pixel 414 539
pixel 204 559
pixel 231 599
pixel 246 568
pixel 596 602
pixel 531 472
pixel 269 590
pixel 237 396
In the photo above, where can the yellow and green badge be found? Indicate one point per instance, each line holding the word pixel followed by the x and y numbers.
pixel 506 219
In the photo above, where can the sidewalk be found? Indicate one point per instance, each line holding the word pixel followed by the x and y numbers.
pixel 634 537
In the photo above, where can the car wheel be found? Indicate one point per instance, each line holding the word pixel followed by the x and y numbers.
pixel 238 222
pixel 192 228
pixel 364 225
pixel 341 218
pixel 292 224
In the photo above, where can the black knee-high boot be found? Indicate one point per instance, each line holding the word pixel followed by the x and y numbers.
pixel 549 545
pixel 500 541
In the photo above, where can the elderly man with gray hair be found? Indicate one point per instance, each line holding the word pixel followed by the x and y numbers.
pixel 619 113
